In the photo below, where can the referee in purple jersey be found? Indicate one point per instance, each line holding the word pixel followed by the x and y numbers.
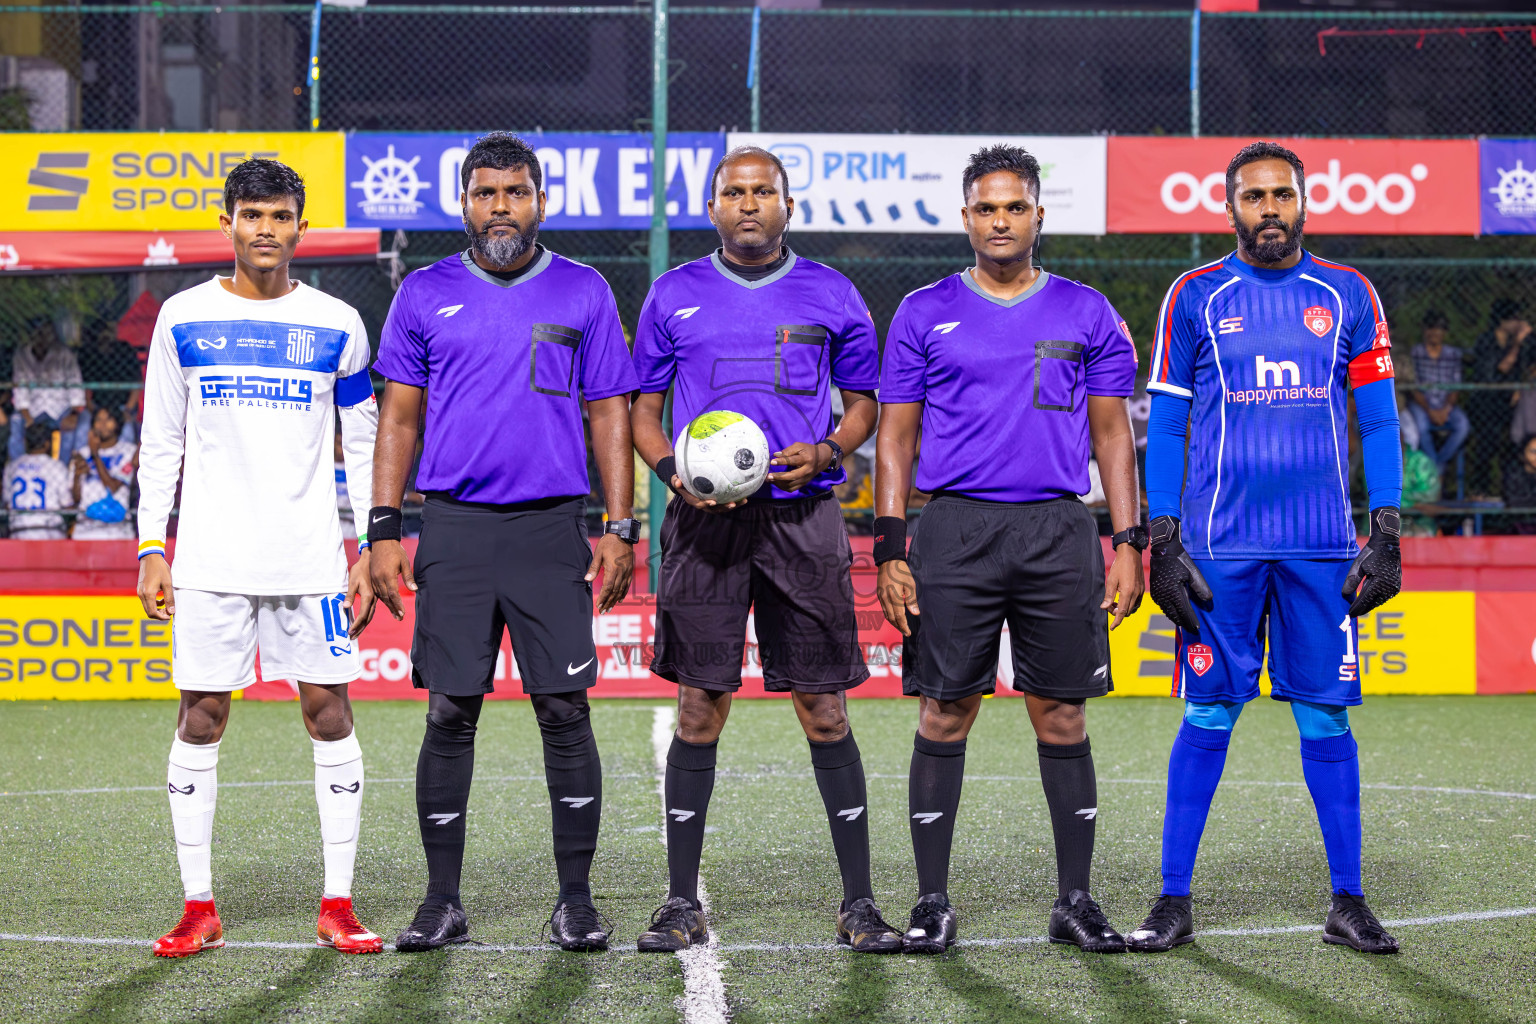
pixel 755 329
pixel 509 338
pixel 1009 375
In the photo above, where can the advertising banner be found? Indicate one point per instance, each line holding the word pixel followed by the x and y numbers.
pixel 153 181
pixel 82 647
pixel 65 640
pixel 1354 186
pixel 52 251
pixel 911 183
pixel 592 181
pixel 1508 186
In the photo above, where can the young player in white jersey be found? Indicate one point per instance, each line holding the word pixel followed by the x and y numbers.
pixel 245 374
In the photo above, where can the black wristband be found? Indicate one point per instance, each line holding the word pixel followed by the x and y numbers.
pixel 890 539
pixel 666 469
pixel 384 523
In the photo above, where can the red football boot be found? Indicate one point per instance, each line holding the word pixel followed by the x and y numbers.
pixel 339 928
pixel 199 929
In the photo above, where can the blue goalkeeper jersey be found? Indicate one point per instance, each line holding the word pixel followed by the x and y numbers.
pixel 1266 358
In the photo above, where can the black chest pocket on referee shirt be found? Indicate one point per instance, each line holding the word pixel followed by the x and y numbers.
pixel 1058 374
pixel 799 351
pixel 552 359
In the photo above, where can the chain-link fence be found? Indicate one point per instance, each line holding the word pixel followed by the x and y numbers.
pixel 443 67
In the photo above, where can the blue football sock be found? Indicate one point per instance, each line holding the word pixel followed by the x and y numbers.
pixel 1331 767
pixel 1194 769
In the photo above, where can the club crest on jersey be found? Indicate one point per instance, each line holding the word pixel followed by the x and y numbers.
pixel 1200 658
pixel 1383 336
pixel 1319 320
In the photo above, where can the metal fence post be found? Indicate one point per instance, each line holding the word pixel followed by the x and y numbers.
pixel 754 71
pixel 660 246
pixel 1194 105
pixel 314 69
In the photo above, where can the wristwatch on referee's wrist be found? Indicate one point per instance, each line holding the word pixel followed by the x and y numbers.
pixel 1135 536
pixel 627 530
pixel 837 453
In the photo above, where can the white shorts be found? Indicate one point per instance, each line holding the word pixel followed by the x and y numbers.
pixel 214 639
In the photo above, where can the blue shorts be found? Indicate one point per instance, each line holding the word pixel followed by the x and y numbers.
pixel 1298 605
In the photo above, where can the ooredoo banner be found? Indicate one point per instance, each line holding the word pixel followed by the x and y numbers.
pixel 1354 186
pixel 910 184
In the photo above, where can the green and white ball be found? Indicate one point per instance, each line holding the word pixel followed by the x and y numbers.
pixel 722 456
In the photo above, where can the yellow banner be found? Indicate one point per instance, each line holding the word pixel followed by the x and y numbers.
pixel 1419 642
pixel 154 181
pixel 82 648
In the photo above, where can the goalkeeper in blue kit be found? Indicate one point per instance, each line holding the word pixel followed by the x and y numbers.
pixel 1253 363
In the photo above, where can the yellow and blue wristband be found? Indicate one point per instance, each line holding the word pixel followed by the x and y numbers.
pixel 151 547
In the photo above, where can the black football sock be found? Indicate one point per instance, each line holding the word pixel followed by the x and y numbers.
pixel 1072 793
pixel 575 776
pixel 444 771
pixel 933 799
pixel 840 777
pixel 687 785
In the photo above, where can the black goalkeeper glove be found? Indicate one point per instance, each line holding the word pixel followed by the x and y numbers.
pixel 1379 564
pixel 1174 576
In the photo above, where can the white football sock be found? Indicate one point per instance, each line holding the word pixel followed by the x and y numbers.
pixel 339 794
pixel 192 781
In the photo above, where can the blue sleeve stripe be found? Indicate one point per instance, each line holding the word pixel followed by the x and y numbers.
pixel 355 389
pixel 1381 444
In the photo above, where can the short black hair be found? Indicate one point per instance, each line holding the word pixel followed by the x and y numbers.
pixel 261 179
pixel 1435 318
pixel 39 434
pixel 1256 151
pixel 501 151
pixel 111 409
pixel 1001 157
pixel 1505 309
pixel 746 151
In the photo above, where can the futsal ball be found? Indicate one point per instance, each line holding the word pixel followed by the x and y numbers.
pixel 722 456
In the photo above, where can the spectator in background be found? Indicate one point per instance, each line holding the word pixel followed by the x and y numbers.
pixel 36 487
pixel 107 359
pixel 43 359
pixel 1434 409
pixel 1523 423
pixel 1520 488
pixel 1503 354
pixel 103 470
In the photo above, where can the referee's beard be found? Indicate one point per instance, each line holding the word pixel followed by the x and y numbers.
pixel 501 250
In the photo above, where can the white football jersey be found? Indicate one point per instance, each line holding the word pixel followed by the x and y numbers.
pixel 118 461
pixel 34 483
pixel 247 391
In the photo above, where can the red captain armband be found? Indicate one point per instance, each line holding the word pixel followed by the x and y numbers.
pixel 1369 367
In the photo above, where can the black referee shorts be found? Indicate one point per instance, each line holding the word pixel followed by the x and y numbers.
pixel 790 563
pixel 1037 566
pixel 484 568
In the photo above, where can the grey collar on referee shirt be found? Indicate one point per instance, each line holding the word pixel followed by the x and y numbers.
pixel 539 265
pixel 970 282
pixel 763 282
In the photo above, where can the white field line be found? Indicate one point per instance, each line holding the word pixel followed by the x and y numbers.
pixel 813 947
pixel 703 998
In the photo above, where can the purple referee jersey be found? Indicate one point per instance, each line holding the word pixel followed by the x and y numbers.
pixel 769 349
pixel 1004 383
pixel 505 365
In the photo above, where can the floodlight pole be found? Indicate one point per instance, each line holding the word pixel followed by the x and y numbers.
pixel 754 69
pixel 314 69
pixel 659 252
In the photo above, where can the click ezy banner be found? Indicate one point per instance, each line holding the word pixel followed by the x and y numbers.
pixel 910 184
pixel 412 181
pixel 1354 186
pixel 153 181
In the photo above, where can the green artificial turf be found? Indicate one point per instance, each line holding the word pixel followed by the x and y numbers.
pixel 102 865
